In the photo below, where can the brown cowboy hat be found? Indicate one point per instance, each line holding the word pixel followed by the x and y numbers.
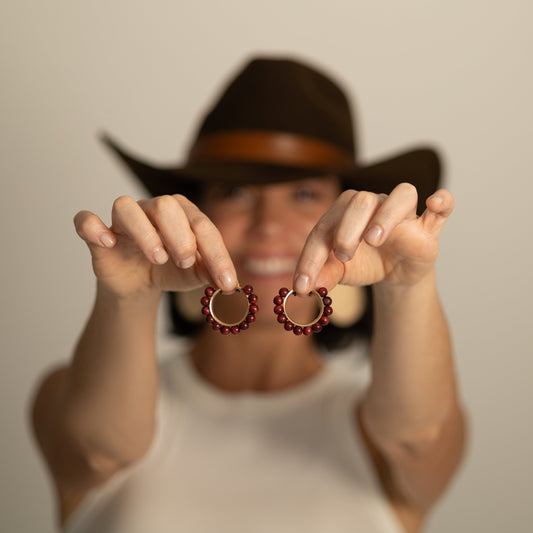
pixel 279 120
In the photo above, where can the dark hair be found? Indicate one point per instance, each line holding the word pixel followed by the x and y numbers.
pixel 330 338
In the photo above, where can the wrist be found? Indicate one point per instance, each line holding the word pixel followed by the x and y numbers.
pixel 393 290
pixel 142 298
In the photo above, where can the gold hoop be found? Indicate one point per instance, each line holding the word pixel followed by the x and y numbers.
pixel 226 328
pixel 316 326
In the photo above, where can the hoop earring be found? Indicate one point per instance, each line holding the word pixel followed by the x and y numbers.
pixel 224 327
pixel 316 326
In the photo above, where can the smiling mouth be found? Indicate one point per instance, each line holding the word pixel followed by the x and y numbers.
pixel 271 266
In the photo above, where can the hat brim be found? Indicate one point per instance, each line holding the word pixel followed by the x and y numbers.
pixel 420 166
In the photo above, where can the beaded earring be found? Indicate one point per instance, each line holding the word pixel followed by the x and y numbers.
pixel 321 320
pixel 225 328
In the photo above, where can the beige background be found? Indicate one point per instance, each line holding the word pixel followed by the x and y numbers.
pixel 454 72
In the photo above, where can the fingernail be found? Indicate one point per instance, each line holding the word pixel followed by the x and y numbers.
pixel 107 240
pixel 373 234
pixel 437 200
pixel 227 281
pixel 187 263
pixel 160 255
pixel 341 256
pixel 301 284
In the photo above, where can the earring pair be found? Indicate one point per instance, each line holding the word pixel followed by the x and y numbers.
pixel 280 309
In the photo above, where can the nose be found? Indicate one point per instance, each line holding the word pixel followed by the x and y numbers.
pixel 270 217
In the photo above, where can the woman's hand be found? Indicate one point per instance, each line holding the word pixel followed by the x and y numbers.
pixel 164 243
pixel 365 238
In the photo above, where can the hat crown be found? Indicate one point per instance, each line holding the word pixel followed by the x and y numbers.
pixel 279 120
pixel 282 95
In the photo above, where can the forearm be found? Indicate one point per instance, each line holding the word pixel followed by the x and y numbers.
pixel 413 386
pixel 111 390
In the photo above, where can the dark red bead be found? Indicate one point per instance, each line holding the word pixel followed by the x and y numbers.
pixel 328 310
pixel 278 300
pixel 205 310
pixel 244 325
pixel 235 330
pixel 247 289
pixel 216 326
pixel 308 330
pixel 327 300
pixel 225 330
pixel 209 291
pixel 324 320
pixel 253 309
pixel 250 318
pixel 278 309
pixel 289 326
pixel 210 318
pixel 282 319
pixel 283 292
pixel 317 327
pixel 205 300
pixel 322 291
pixel 298 330
pixel 253 298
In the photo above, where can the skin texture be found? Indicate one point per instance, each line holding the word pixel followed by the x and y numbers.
pixel 301 234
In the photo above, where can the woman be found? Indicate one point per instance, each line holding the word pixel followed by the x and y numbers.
pixel 257 431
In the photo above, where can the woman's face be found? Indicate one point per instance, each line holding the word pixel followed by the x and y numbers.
pixel 265 227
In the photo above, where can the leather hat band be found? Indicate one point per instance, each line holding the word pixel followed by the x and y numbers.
pixel 280 148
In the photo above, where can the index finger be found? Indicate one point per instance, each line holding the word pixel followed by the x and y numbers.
pixel 318 245
pixel 211 246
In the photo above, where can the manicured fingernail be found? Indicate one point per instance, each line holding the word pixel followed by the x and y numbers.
pixel 373 234
pixel 227 281
pixel 301 284
pixel 107 240
pixel 341 256
pixel 187 263
pixel 160 255
pixel 437 200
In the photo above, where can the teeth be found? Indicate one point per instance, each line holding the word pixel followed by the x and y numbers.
pixel 271 266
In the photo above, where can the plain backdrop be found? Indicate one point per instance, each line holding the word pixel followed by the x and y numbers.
pixel 453 73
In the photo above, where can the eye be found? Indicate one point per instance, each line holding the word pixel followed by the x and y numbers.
pixel 306 193
pixel 231 192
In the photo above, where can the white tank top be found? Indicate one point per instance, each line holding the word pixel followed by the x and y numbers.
pixel 290 461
